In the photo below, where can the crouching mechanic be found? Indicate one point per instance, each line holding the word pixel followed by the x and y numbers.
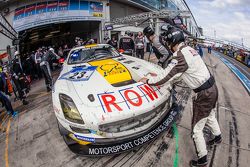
pixel 188 65
pixel 161 52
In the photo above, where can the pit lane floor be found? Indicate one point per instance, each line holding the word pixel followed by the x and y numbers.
pixel 33 140
pixel 243 68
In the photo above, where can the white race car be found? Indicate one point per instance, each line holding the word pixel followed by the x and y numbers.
pixel 101 106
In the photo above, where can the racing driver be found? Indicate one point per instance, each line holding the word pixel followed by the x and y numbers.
pixel 188 65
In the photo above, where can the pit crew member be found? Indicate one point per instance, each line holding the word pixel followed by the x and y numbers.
pixel 188 65
pixel 127 44
pixel 161 52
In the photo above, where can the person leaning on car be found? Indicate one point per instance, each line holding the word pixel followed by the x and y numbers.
pixel 161 52
pixel 186 64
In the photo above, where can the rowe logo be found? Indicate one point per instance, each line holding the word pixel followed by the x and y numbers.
pixel 133 97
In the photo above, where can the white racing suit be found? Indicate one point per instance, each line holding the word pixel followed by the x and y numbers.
pixel 188 65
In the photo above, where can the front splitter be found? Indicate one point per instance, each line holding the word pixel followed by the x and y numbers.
pixel 117 147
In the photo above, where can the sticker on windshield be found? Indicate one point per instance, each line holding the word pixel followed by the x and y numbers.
pixel 79 74
pixel 75 56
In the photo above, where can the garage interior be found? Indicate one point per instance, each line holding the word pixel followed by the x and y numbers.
pixel 58 34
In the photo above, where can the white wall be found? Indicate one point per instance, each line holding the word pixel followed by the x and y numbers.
pixel 118 9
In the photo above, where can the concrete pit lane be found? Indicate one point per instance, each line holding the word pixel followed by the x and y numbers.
pixel 33 140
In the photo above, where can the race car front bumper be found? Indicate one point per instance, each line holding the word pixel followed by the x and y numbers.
pixel 110 146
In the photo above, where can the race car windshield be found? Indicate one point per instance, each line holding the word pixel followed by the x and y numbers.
pixel 85 55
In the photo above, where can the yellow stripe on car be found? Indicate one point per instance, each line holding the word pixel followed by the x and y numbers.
pixel 78 141
pixel 113 71
pixel 91 46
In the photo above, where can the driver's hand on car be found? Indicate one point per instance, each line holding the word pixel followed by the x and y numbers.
pixel 144 80
pixel 152 74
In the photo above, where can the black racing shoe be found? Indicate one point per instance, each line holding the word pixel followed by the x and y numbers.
pixel 201 162
pixel 25 102
pixel 217 140
pixel 48 89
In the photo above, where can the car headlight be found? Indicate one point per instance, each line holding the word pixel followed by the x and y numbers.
pixel 69 109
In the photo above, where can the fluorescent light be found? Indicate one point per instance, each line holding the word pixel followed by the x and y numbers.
pixel 50 35
pixel 53 32
pixel 34 36
pixel 35 39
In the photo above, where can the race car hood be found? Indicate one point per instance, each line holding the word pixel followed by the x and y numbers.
pixel 110 87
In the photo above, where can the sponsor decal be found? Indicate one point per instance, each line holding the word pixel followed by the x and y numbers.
pixel 129 62
pixel 193 52
pixel 54 11
pixel 126 40
pixel 79 74
pixel 136 68
pixel 121 58
pixel 131 144
pixel 88 139
pixel 133 97
pixel 41 7
pixel 113 71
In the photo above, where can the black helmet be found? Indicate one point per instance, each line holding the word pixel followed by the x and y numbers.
pixel 148 31
pixel 174 36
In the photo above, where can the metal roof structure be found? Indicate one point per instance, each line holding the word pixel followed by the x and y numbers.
pixel 150 15
pixel 4 3
pixel 226 42
pixel 6 29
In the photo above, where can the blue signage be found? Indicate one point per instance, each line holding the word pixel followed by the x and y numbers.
pixel 55 11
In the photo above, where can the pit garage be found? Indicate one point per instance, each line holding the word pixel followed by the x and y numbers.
pixel 59 34
pixel 55 23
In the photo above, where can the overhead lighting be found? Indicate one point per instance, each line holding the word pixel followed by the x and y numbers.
pixel 35 39
pixel 36 32
pixel 47 36
pixel 34 36
pixel 54 32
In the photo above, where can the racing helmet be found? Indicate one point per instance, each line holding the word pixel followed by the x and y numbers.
pixel 16 53
pixel 51 49
pixel 148 31
pixel 174 36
